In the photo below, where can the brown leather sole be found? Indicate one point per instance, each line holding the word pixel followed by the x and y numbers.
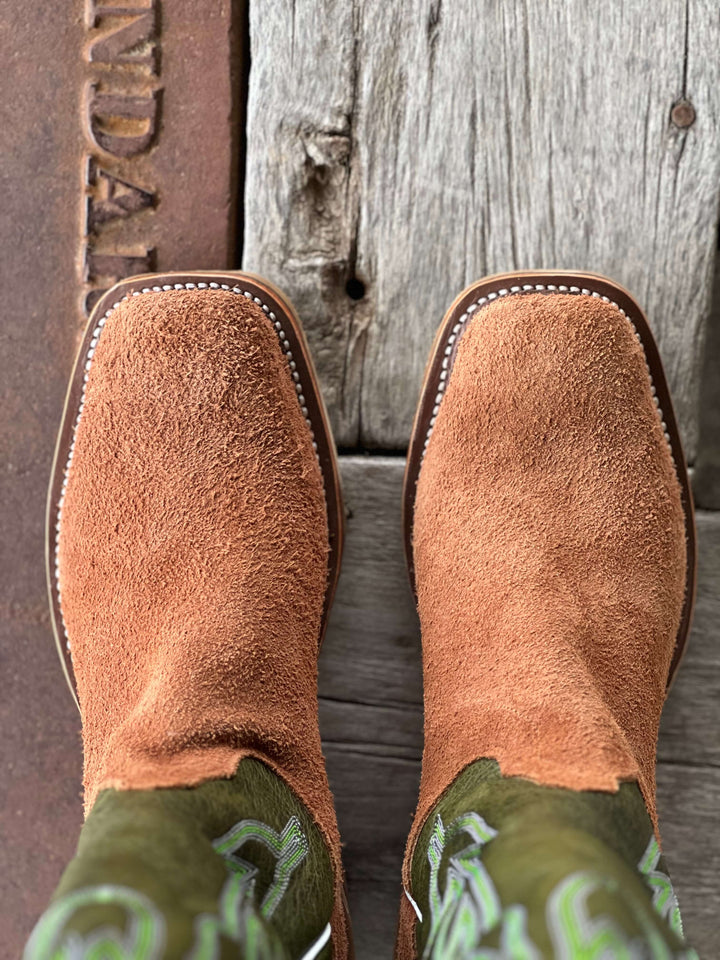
pixel 549 281
pixel 280 311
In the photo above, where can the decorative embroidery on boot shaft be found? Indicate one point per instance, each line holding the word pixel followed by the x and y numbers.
pixel 144 933
pixel 577 935
pixel 289 849
pixel 469 908
pixel 143 938
pixel 664 899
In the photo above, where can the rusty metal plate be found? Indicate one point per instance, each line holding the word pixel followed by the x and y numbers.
pixel 119 152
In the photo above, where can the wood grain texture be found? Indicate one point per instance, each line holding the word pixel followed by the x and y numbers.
pixel 706 480
pixel 371 718
pixel 419 145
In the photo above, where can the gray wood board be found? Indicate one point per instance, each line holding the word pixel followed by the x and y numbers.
pixel 706 479
pixel 420 145
pixel 371 718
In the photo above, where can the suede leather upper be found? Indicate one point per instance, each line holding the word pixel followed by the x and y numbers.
pixel 193 554
pixel 549 550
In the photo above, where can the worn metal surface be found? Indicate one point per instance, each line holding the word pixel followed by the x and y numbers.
pixel 421 145
pixel 118 151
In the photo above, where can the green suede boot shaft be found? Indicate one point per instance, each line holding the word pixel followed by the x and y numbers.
pixel 230 868
pixel 510 869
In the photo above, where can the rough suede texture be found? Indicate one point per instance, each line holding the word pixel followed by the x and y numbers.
pixel 549 553
pixel 193 556
pixel 549 548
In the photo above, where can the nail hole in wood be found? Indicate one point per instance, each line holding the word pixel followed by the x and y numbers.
pixel 355 288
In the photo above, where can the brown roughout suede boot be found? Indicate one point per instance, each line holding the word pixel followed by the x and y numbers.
pixel 195 532
pixel 549 534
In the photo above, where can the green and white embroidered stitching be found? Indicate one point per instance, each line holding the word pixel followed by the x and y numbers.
pixel 144 938
pixel 664 899
pixel 469 908
pixel 289 847
pixel 578 936
pixel 238 921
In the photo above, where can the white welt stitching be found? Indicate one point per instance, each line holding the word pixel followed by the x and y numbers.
pixel 540 287
pixel 284 343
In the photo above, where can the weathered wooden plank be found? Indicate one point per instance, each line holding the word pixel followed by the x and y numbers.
pixel 375 797
pixel 371 716
pixel 706 479
pixel 690 728
pixel 372 654
pixel 385 729
pixel 374 909
pixel 689 800
pixel 418 145
pixel 301 194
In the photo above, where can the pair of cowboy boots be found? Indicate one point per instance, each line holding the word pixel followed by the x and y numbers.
pixel 195 538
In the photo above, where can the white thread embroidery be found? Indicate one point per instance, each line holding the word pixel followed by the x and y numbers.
pixel 284 343
pixel 526 288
